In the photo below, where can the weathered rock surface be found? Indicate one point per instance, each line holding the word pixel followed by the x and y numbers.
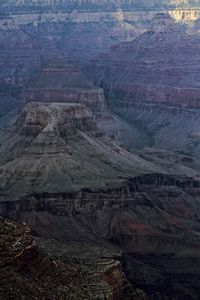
pixel 64 82
pixel 169 128
pixel 69 182
pixel 27 271
pixel 159 66
pixel 152 82
pixel 153 219
pixel 57 147
pixel 33 31
pixel 63 176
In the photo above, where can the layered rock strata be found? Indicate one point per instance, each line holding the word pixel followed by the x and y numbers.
pixel 153 88
pixel 28 271
pixel 34 31
pixel 65 82
pixel 153 219
pixel 58 147
pixel 70 182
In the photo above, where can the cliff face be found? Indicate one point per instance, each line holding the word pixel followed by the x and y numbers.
pixel 28 271
pixel 70 183
pixel 185 15
pixel 135 215
pixel 64 83
pixel 61 174
pixel 165 57
pixel 153 83
pixel 31 32
pixel 58 147
pixel 153 219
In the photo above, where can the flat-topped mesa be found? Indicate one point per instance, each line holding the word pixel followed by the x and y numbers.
pixel 38 116
pixel 65 83
pixel 51 125
pixel 57 147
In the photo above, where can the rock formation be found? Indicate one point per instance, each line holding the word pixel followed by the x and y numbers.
pixel 28 271
pixel 35 30
pixel 66 83
pixel 70 182
pixel 58 148
pixel 153 83
pixel 124 224
pixel 31 32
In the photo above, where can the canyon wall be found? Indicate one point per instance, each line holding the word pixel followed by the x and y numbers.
pixel 153 219
pixel 152 82
pixel 64 82
pixel 61 174
pixel 33 32
pixel 29 271
pixel 72 184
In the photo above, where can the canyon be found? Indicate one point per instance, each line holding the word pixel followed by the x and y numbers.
pixel 99 149
pixel 73 184
pixel 41 29
pixel 146 83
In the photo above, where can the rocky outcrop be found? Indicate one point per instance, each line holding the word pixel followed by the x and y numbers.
pixel 57 147
pixel 185 15
pixel 28 271
pixel 65 82
pixel 154 219
pixel 69 182
pixel 63 176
